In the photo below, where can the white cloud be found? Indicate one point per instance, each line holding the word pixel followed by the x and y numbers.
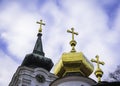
pixel 20 29
pixel 7 68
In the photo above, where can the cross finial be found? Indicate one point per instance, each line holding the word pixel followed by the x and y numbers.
pixel 98 71
pixel 41 23
pixel 72 31
pixel 97 61
pixel 73 42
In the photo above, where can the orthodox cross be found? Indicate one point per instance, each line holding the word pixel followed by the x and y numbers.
pixel 98 71
pixel 72 42
pixel 41 23
pixel 72 31
pixel 97 61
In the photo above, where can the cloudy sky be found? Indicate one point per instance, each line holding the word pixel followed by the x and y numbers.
pixel 96 21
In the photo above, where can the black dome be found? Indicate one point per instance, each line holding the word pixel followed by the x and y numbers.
pixel 35 60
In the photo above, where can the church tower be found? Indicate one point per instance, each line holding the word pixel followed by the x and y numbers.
pixel 74 68
pixel 35 68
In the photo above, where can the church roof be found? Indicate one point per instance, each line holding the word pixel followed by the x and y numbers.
pixel 117 83
pixel 73 62
pixel 37 58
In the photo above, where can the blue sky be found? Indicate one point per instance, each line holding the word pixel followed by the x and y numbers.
pixel 96 21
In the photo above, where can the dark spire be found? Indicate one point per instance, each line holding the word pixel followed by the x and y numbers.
pixel 38 49
pixel 37 58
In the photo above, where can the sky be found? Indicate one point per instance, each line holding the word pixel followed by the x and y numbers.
pixel 96 21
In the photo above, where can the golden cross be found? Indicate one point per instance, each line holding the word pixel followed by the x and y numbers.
pixel 98 71
pixel 72 31
pixel 41 23
pixel 97 61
